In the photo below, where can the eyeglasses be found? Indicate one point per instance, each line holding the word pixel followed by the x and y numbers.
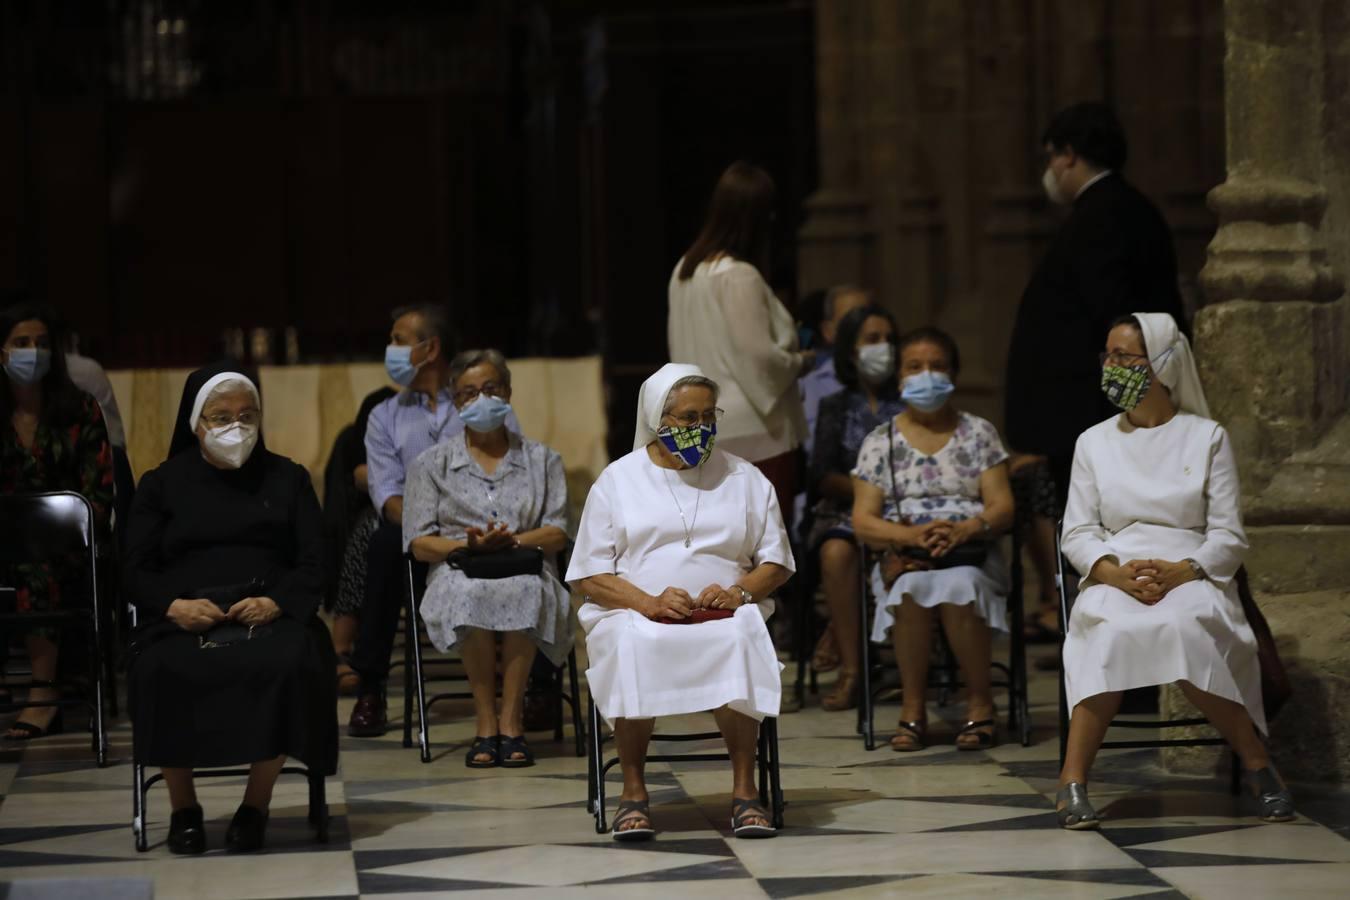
pixel 1117 358
pixel 221 420
pixel 470 394
pixel 690 420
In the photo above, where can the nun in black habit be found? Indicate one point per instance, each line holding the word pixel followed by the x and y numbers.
pixel 230 664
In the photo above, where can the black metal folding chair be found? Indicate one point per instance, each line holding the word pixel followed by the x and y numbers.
pixel 49 527
pixel 140 786
pixel 766 760
pixel 415 679
pixel 1067 594
pixel 944 675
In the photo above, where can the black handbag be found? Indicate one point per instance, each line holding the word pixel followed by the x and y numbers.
pixel 499 563
pixel 971 553
pixel 224 597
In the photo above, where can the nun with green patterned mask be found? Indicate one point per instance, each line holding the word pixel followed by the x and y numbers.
pixel 1154 523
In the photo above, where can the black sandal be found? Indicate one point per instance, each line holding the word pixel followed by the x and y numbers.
pixel 628 811
pixel 913 730
pixel 30 732
pixel 490 746
pixel 744 810
pixel 984 739
pixel 510 747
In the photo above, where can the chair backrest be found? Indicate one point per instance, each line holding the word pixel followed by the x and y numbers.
pixel 1061 582
pixel 40 527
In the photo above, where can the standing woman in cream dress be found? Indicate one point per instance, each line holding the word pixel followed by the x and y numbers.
pixel 1154 522
pixel 725 319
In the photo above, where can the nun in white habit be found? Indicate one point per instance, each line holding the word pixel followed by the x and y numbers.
pixel 1153 521
pixel 669 531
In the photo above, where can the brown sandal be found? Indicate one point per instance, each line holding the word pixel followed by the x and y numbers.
pixel 844 695
pixel 983 739
pixel 826 655
pixel 909 736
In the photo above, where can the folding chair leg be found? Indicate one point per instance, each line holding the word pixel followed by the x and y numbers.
pixel 318 807
pixel 775 775
pixel 574 701
pixel 138 825
pixel 423 731
pixel 762 758
pixel 555 684
pixel 597 768
pixel 100 729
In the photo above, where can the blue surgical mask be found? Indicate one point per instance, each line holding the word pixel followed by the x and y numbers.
pixel 28 365
pixel 398 363
pixel 485 413
pixel 927 391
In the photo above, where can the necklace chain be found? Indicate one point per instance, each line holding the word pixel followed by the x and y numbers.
pixel 688 526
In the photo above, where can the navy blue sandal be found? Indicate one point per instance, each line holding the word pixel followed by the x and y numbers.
pixel 484 746
pixel 510 747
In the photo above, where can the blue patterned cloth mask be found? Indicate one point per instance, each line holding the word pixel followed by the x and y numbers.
pixel 692 443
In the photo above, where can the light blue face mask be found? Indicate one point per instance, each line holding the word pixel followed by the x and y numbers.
pixel 398 363
pixel 927 391
pixel 28 365
pixel 485 413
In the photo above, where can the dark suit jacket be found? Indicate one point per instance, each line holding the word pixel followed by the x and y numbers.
pixel 1112 257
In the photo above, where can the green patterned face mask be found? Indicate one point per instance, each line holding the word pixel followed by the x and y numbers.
pixel 1125 386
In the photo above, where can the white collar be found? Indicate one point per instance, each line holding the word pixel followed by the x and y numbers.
pixel 1093 180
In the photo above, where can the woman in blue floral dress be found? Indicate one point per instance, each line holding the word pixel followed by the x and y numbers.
pixel 931 490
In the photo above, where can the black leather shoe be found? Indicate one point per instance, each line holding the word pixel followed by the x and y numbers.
pixel 369 717
pixel 187 834
pixel 246 831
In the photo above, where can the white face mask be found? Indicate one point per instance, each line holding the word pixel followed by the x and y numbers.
pixel 231 445
pixel 876 362
pixel 1052 188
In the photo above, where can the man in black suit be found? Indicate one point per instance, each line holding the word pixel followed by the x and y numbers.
pixel 1113 256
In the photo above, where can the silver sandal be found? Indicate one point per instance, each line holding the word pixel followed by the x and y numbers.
pixel 1075 813
pixel 1277 801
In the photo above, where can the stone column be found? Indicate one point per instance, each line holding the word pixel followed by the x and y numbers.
pixel 835 241
pixel 1271 346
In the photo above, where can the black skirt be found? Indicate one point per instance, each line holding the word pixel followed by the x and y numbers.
pixel 195 707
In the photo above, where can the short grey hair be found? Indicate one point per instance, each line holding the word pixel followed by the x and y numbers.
pixel 465 361
pixel 689 381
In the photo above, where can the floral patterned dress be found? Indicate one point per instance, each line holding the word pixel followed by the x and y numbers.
pixel 75 457
pixel 928 487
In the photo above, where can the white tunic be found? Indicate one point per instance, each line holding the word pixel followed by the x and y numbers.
pixel 1168 493
pixel 631 528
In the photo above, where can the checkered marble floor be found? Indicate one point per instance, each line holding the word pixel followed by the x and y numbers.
pixel 933 824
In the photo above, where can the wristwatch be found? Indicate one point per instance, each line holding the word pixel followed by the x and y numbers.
pixel 746 596
pixel 1197 569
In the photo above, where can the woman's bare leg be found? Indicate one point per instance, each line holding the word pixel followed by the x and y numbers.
pixel 742 736
pixel 1087 729
pixel 912 636
pixel 968 634
pixel 839 577
pixel 478 649
pixel 518 652
pixel 262 777
pixel 42 656
pixel 1233 722
pixel 182 788
pixel 631 737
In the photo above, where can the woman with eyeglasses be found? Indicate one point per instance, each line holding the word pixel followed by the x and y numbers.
pixel 229 664
pixel 672 534
pixel 1154 524
pixel 484 494
pixel 52 438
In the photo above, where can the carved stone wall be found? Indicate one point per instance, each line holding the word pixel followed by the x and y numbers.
pixel 929 118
